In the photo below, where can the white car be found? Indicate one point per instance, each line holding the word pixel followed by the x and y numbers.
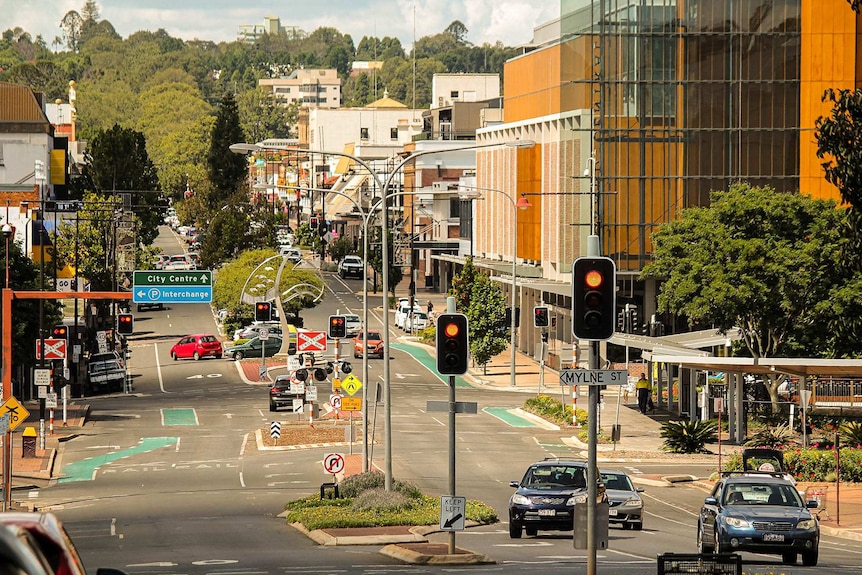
pixel 181 262
pixel 416 322
pixel 293 255
pixel 403 312
pixel 353 324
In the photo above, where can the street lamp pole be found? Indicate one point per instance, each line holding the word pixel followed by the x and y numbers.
pixel 522 204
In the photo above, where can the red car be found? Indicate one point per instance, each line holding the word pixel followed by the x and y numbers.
pixel 374 344
pixel 197 346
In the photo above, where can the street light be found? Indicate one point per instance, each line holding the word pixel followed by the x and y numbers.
pixel 243 148
pixel 7 393
pixel 522 204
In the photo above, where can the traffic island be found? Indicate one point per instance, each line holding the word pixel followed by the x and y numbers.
pixel 434 554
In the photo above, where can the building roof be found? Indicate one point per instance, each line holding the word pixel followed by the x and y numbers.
pixel 19 105
pixel 386 102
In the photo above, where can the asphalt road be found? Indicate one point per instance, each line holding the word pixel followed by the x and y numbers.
pixel 166 481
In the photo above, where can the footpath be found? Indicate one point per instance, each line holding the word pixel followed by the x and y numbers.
pixel 640 438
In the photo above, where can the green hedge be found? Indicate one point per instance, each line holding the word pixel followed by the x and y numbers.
pixel 814 465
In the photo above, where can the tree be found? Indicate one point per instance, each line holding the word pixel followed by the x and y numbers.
pixel 226 169
pixel 262 117
pixel 339 248
pixel 71 26
pixel 755 259
pixel 116 161
pixel 376 258
pixel 485 314
pixel 838 144
pixel 462 285
pixel 458 31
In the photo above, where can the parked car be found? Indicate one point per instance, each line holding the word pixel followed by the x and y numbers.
pixel 197 346
pixel 353 324
pixel 280 394
pixel 20 553
pixel 255 347
pixel 625 505
pixel 351 266
pixel 161 261
pixel 374 344
pixel 253 330
pixel 148 305
pixel 52 540
pixel 293 255
pixel 545 497
pixel 416 321
pixel 759 513
pixel 403 311
pixel 181 262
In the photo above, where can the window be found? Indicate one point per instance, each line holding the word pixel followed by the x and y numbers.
pixel 393 133
pixel 363 133
pixel 453 94
pixel 454 207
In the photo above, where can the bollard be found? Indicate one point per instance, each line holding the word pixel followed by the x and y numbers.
pixel 28 443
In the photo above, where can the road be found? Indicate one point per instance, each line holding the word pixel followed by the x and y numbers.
pixel 167 479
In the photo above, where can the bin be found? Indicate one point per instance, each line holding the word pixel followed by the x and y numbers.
pixel 28 442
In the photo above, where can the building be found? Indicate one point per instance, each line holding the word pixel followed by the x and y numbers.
pixel 250 33
pixel 461 104
pixel 312 88
pixel 639 111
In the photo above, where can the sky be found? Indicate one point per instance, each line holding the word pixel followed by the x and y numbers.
pixel 508 21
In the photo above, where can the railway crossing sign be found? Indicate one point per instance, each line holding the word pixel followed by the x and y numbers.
pixel 310 341
pixel 14 411
pixel 54 348
pixel 333 463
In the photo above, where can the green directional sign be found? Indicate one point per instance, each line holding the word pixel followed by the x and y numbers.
pixel 173 278
pixel 172 286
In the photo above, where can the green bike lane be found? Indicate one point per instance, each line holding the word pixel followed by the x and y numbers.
pixel 509 415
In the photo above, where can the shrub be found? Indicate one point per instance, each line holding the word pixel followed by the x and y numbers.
pixel 775 437
pixel 851 433
pixel 355 485
pixel 683 436
pixel 553 410
pixel 378 499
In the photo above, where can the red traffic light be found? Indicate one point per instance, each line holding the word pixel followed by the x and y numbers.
pixel 451 329
pixel 594 279
pixel 60 332
pixel 125 323
pixel 337 326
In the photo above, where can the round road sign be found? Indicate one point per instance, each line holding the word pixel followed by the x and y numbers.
pixel 333 463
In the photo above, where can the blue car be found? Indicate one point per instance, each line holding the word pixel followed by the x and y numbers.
pixel 759 513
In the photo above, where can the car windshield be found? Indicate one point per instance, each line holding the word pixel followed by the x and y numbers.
pixel 554 477
pixel 617 481
pixel 762 494
pixel 371 336
pixel 208 339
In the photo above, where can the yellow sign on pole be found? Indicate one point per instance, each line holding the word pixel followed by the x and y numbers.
pixel 351 384
pixel 17 412
pixel 351 404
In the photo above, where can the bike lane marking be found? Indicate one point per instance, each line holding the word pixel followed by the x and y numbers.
pixel 516 417
pixel 85 470
pixel 422 356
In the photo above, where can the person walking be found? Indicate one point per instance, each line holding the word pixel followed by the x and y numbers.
pixel 644 390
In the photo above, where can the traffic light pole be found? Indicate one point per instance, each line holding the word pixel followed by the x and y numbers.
pixel 593 249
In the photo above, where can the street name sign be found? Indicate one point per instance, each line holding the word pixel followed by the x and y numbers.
pixel 593 377
pixel 172 286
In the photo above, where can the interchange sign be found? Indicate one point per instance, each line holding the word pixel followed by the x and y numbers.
pixel 172 286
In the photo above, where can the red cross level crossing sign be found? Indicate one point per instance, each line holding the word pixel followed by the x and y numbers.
pixel 311 341
pixel 54 348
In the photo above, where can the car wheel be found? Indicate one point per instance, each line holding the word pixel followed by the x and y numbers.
pixel 718 547
pixel 238 355
pixel 702 546
pixel 809 558
pixel 174 355
pixel 272 406
pixel 514 531
pixel 788 558
pixel 196 356
pixel 638 526
pixel 531 531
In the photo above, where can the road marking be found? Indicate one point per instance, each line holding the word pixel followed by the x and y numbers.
pixel 85 470
pixel 179 416
pixel 516 417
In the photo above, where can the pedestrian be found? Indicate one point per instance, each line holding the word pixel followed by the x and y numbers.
pixel 430 307
pixel 644 391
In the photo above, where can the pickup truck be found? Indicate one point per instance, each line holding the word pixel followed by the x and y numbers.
pixel 106 372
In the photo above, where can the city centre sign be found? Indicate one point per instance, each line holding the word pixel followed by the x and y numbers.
pixel 172 286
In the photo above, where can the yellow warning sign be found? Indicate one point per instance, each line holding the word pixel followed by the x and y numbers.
pixel 17 412
pixel 351 384
pixel 351 404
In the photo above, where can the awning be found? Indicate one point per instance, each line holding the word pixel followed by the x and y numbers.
pixel 800 366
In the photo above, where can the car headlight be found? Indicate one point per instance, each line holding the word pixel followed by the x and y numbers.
pixel 806 524
pixel 519 499
pixel 576 499
pixel 632 502
pixel 737 522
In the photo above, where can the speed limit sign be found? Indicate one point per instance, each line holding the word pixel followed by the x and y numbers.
pixel 333 463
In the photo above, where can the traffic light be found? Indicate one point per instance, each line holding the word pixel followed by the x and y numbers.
pixel 60 332
pixel 621 321
pixel 337 326
pixel 593 298
pixel 540 316
pixel 263 311
pixel 508 322
pixel 634 320
pixel 312 223
pixel 452 344
pixel 125 323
